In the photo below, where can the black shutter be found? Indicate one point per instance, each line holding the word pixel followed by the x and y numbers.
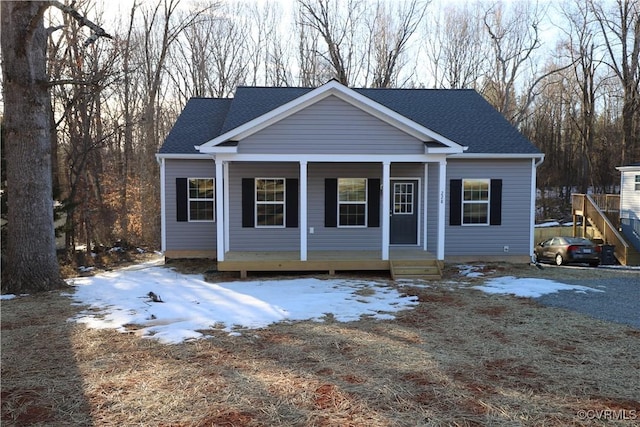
pixel 455 202
pixel 330 202
pixel 248 200
pixel 182 211
pixel 495 210
pixel 292 202
pixel 373 200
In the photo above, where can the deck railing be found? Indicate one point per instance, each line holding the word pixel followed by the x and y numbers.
pixel 585 206
pixel 609 203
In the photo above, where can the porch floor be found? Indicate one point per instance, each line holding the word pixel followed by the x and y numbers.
pixel 329 261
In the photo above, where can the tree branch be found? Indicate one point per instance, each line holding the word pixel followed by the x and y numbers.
pixel 98 31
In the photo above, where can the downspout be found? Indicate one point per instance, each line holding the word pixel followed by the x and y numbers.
pixel 163 209
pixel 534 177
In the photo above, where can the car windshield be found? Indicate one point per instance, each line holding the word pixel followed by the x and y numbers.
pixel 578 241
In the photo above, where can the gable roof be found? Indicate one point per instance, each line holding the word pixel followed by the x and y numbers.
pixel 451 116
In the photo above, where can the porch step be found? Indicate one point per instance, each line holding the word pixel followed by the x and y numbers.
pixel 416 269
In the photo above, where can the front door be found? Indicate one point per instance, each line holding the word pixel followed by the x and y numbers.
pixel 404 212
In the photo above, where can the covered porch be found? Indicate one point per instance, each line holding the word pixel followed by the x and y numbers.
pixel 402 262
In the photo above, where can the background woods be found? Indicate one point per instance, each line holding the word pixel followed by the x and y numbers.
pixel 566 73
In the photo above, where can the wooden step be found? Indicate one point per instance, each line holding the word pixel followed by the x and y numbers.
pixel 416 269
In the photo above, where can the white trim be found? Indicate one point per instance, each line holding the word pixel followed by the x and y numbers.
pixel 225 204
pixel 628 168
pixel 425 206
pixel 412 211
pixel 442 185
pixel 283 203
pixel 386 201
pixel 497 156
pixel 193 156
pixel 218 150
pixel 332 158
pixel 365 203
pixel 315 95
pixel 484 202
pixel 220 241
pixel 419 196
pixel 189 199
pixel 303 211
pixel 163 207
pixel 443 150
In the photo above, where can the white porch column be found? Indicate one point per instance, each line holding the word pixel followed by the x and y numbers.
pixel 225 183
pixel 386 208
pixel 442 186
pixel 303 210
pixel 425 204
pixel 220 202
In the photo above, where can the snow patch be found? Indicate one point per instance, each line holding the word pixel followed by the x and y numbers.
pixel 529 287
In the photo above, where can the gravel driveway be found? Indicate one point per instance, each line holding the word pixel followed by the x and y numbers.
pixel 619 302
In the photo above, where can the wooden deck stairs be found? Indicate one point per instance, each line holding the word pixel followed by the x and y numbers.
pixel 598 213
pixel 429 269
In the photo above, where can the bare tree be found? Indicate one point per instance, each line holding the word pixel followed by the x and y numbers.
pixel 314 69
pixel 581 50
pixel 338 27
pixel 456 48
pixel 620 27
pixel 32 265
pixel 390 33
pixel 162 25
pixel 514 37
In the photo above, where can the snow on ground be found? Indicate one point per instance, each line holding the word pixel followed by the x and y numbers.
pixel 528 287
pixel 120 300
pixel 470 270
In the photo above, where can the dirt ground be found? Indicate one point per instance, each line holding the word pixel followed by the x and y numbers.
pixel 461 358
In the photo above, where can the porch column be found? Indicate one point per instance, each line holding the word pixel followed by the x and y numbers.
pixel 225 204
pixel 425 204
pixel 386 208
pixel 220 202
pixel 442 185
pixel 303 210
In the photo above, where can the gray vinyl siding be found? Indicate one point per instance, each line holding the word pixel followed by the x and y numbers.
pixel 514 231
pixel 258 239
pixel 187 235
pixel 323 238
pixel 331 126
pixel 338 238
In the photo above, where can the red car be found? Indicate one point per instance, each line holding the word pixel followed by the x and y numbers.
pixel 568 250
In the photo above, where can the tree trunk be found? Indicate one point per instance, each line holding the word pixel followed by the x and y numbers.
pixel 32 265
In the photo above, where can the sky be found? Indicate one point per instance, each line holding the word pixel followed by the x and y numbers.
pixel 119 299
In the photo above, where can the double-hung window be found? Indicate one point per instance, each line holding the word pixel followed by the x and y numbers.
pixel 352 202
pixel 637 183
pixel 270 202
pixel 475 201
pixel 201 199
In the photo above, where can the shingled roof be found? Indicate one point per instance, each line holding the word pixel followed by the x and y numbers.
pixel 461 115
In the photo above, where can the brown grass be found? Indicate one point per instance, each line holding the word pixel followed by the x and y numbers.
pixel 461 358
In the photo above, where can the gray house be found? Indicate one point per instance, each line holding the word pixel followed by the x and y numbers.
pixel 334 178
